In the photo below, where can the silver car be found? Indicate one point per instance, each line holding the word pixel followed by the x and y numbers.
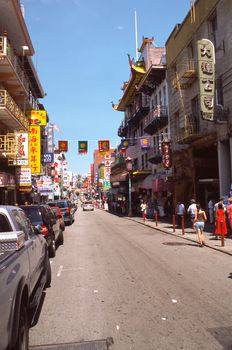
pixel 87 206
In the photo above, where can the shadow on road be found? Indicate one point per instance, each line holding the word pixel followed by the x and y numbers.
pixel 180 244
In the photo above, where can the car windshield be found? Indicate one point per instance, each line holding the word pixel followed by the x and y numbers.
pixel 62 204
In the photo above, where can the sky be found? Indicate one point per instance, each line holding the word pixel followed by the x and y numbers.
pixel 81 49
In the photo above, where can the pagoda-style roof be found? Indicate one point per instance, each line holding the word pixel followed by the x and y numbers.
pixel 153 77
pixel 145 42
pixel 130 89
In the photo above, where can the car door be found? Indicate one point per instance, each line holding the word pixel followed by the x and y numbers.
pixel 21 219
pixel 55 223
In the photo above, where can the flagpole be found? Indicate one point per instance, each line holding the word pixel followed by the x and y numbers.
pixel 136 36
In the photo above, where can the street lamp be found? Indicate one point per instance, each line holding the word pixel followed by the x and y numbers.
pixel 129 167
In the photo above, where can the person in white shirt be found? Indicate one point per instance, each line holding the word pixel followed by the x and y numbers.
pixel 191 211
pixel 180 210
pixel 211 210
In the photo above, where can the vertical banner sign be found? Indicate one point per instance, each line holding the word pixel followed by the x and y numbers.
pixel 206 69
pixel 166 154
pixel 22 150
pixel 104 146
pixel 82 147
pixel 34 149
pixel 63 146
pixel 50 139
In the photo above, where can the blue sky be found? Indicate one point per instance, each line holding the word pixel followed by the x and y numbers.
pixel 81 57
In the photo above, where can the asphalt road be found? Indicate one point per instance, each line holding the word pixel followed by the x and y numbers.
pixel 145 289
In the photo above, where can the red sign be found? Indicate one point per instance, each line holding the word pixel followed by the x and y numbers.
pixel 166 154
pixel 63 146
pixel 104 145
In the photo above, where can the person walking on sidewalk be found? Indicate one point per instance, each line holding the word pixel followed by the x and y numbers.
pixel 143 208
pixel 229 215
pixel 191 211
pixel 220 218
pixel 180 210
pixel 200 218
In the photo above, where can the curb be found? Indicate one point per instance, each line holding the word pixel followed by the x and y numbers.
pixel 178 236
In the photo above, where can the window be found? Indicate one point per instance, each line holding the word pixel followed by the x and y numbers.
pixel 164 95
pixel 219 91
pixel 160 98
pixel 4 224
pixel 142 161
pixel 213 29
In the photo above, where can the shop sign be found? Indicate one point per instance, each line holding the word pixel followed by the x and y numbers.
pixel 37 117
pixel 145 142
pixel 166 154
pixel 22 149
pixel 6 180
pixel 23 176
pixel 50 139
pixel 206 69
pixel 35 149
pixel 48 158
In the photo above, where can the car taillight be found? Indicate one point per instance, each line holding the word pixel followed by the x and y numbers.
pixel 68 210
pixel 44 230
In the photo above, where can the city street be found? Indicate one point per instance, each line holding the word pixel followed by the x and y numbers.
pixel 145 289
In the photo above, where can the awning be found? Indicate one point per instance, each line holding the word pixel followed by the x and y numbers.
pixel 147 183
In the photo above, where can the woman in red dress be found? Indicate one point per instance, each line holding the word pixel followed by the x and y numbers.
pixel 229 214
pixel 220 221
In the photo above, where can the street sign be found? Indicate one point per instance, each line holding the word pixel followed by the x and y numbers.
pixel 48 158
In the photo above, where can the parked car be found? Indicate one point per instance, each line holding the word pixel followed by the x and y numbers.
pixel 88 205
pixel 42 215
pixel 59 216
pixel 66 209
pixel 24 273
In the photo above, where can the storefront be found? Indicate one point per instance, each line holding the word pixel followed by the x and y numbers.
pixel 7 189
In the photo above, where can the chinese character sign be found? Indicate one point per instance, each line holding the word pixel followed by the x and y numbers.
pixel 206 68
pixel 166 154
pixel 22 148
pixel 37 117
pixel 34 149
pixel 50 139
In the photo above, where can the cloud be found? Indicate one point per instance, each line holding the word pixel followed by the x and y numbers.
pixel 120 27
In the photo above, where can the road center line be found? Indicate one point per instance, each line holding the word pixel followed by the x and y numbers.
pixel 60 270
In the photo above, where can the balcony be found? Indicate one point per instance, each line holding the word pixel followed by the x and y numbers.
pixel 122 130
pixel 10 114
pixel 11 70
pixel 190 132
pixel 154 156
pixel 188 69
pixel 156 119
pixel 140 109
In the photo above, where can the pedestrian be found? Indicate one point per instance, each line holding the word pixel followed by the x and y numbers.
pixel 211 210
pixel 229 215
pixel 220 218
pixel 191 211
pixel 143 208
pixel 200 218
pixel 180 210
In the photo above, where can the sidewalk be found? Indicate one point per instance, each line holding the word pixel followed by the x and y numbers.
pixel 189 234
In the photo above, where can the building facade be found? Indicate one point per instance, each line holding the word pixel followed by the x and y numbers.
pixel 202 153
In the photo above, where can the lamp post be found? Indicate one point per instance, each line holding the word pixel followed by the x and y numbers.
pixel 129 167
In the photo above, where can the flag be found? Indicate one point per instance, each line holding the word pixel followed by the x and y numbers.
pixel 82 147
pixel 103 145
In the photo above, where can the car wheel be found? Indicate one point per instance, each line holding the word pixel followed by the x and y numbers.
pixel 48 272
pixel 22 342
pixel 52 248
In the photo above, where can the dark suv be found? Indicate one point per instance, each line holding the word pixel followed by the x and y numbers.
pixel 66 208
pixel 41 214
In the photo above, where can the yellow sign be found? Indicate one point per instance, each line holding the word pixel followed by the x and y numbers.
pixel 34 149
pixel 37 117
